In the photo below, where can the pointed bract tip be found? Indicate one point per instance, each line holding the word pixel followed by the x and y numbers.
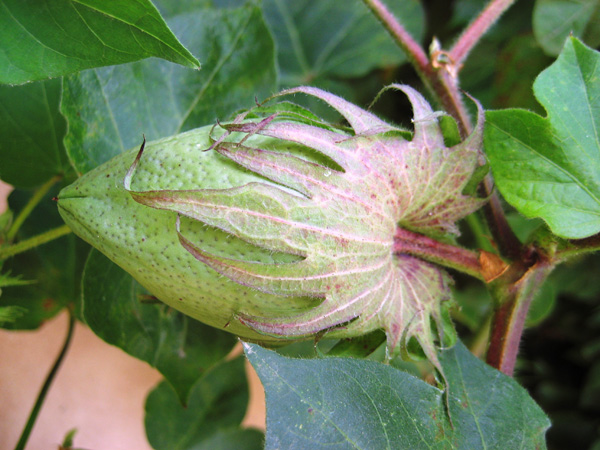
pixel 129 174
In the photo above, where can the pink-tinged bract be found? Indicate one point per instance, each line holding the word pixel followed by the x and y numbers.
pixel 338 210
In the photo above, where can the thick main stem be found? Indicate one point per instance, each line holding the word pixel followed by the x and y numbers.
pixel 509 320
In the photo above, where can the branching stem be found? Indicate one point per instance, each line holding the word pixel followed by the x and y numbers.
pixel 440 75
pixel 435 77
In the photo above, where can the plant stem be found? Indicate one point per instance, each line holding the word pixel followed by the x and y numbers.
pixel 408 242
pixel 473 33
pixel 31 204
pixel 35 241
pixel 46 386
pixel 509 319
pixel 413 50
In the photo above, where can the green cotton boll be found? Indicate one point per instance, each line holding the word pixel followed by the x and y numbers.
pixel 143 241
pixel 285 228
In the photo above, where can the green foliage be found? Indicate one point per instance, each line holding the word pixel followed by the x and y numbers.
pixel 53 271
pixel 555 20
pixel 346 403
pixel 32 130
pixel 550 168
pixel 49 38
pixel 211 418
pixel 94 76
pixel 320 42
pixel 162 99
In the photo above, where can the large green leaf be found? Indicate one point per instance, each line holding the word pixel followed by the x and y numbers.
pixel 317 40
pixel 181 348
pixel 550 167
pixel 211 419
pixel 161 99
pixel 31 134
pixel 338 403
pixel 555 20
pixel 49 38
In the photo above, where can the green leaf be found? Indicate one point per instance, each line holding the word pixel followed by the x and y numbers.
pixel 338 403
pixel 31 134
pixel 162 99
pixel 181 348
pixel 54 268
pixel 331 39
pixel 238 439
pixel 217 404
pixel 555 20
pixel 550 167
pixel 49 38
pixel 68 440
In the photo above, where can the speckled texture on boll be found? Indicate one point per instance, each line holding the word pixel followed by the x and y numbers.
pixel 144 242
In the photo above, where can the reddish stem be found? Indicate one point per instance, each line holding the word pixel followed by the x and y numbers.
pixel 509 319
pixel 410 243
pixel 413 50
pixel 472 34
